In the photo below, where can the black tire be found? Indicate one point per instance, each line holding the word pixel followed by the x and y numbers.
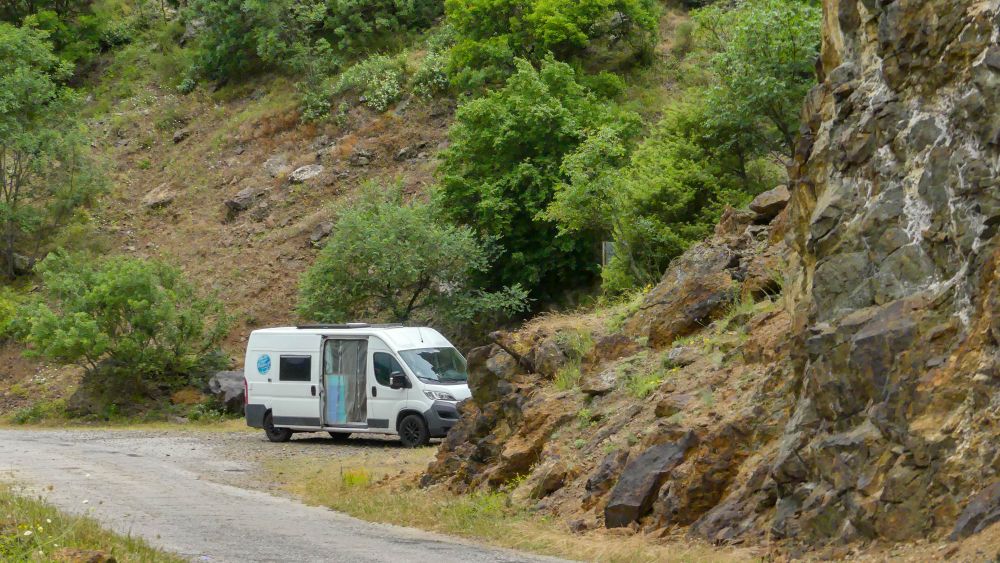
pixel 413 431
pixel 275 434
pixel 339 436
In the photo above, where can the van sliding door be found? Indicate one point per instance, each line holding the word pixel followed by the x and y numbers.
pixel 344 369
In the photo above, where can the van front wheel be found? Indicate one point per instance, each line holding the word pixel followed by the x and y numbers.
pixel 275 434
pixel 413 431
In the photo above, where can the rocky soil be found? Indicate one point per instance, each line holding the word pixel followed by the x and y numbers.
pixel 859 407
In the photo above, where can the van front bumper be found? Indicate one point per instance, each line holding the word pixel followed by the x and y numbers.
pixel 441 417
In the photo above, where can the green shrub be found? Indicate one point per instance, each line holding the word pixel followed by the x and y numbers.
pixel 388 260
pixel 505 162
pixel 494 32
pixel 240 37
pixel 379 79
pixel 142 319
pixel 568 376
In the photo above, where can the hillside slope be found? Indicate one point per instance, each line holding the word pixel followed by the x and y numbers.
pixel 861 405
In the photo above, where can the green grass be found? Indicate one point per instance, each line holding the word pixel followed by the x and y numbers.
pixel 31 530
pixel 568 377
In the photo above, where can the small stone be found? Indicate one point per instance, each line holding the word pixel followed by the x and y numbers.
pixel 276 166
pixel 307 172
pixel 981 378
pixel 320 232
pixel 243 200
pixel 160 196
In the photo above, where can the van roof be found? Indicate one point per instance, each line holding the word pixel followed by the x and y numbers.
pixel 402 337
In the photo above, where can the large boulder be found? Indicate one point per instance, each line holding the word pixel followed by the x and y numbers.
pixel 227 388
pixel 769 204
pixel 695 290
pixel 636 490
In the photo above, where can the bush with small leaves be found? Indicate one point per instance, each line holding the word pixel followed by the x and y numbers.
pixel 134 317
pixel 379 79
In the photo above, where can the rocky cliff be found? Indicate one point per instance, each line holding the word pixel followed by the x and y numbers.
pixel 862 403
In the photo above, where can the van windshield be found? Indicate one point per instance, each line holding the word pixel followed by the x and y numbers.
pixel 444 365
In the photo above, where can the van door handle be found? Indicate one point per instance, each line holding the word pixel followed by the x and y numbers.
pixel 374 391
pixel 313 390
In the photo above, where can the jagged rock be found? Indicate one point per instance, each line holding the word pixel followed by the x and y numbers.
pixel 277 166
pixel 601 480
pixel 320 232
pixel 768 204
pixel 160 196
pixel 695 290
pixel 672 404
pixel 636 489
pixel 681 356
pixel 611 347
pixel 243 200
pixel 599 384
pixel 227 387
pixel 307 172
pixel 549 478
pixel 181 134
pixel 548 357
pixel 982 511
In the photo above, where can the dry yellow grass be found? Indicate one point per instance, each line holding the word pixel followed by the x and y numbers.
pixel 380 486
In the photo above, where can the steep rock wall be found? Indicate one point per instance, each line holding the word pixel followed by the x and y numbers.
pixel 895 207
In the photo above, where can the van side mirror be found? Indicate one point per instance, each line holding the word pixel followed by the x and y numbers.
pixel 398 381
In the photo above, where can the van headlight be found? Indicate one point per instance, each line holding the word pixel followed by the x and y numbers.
pixel 440 396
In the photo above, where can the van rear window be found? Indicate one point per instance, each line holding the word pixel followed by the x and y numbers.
pixel 295 368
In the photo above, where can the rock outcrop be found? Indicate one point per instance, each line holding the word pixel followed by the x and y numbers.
pixel 864 402
pixel 894 285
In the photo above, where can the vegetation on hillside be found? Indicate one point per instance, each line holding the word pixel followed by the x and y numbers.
pixel 627 122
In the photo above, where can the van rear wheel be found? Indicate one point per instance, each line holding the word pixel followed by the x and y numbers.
pixel 413 431
pixel 275 434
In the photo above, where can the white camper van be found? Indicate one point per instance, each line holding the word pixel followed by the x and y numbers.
pixel 353 379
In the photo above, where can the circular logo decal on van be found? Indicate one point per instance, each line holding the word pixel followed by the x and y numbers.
pixel 264 364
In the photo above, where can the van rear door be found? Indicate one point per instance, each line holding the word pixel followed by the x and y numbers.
pixel 292 386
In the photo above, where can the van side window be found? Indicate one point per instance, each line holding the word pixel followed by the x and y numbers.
pixel 384 365
pixel 295 368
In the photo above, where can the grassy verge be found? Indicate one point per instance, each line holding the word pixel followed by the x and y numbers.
pixel 228 425
pixel 380 487
pixel 31 530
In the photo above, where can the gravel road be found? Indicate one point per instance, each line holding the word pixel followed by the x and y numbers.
pixel 197 494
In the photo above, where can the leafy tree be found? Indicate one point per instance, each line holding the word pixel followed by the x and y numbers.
pixel 504 163
pixel 140 318
pixel 655 201
pixel 494 32
pixel 44 170
pixel 764 58
pixel 387 260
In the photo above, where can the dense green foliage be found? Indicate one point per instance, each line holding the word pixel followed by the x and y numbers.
pixel 137 318
pixel 719 144
pixel 388 260
pixel 45 174
pixel 503 165
pixel 242 37
pixel 492 33
pixel 763 57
